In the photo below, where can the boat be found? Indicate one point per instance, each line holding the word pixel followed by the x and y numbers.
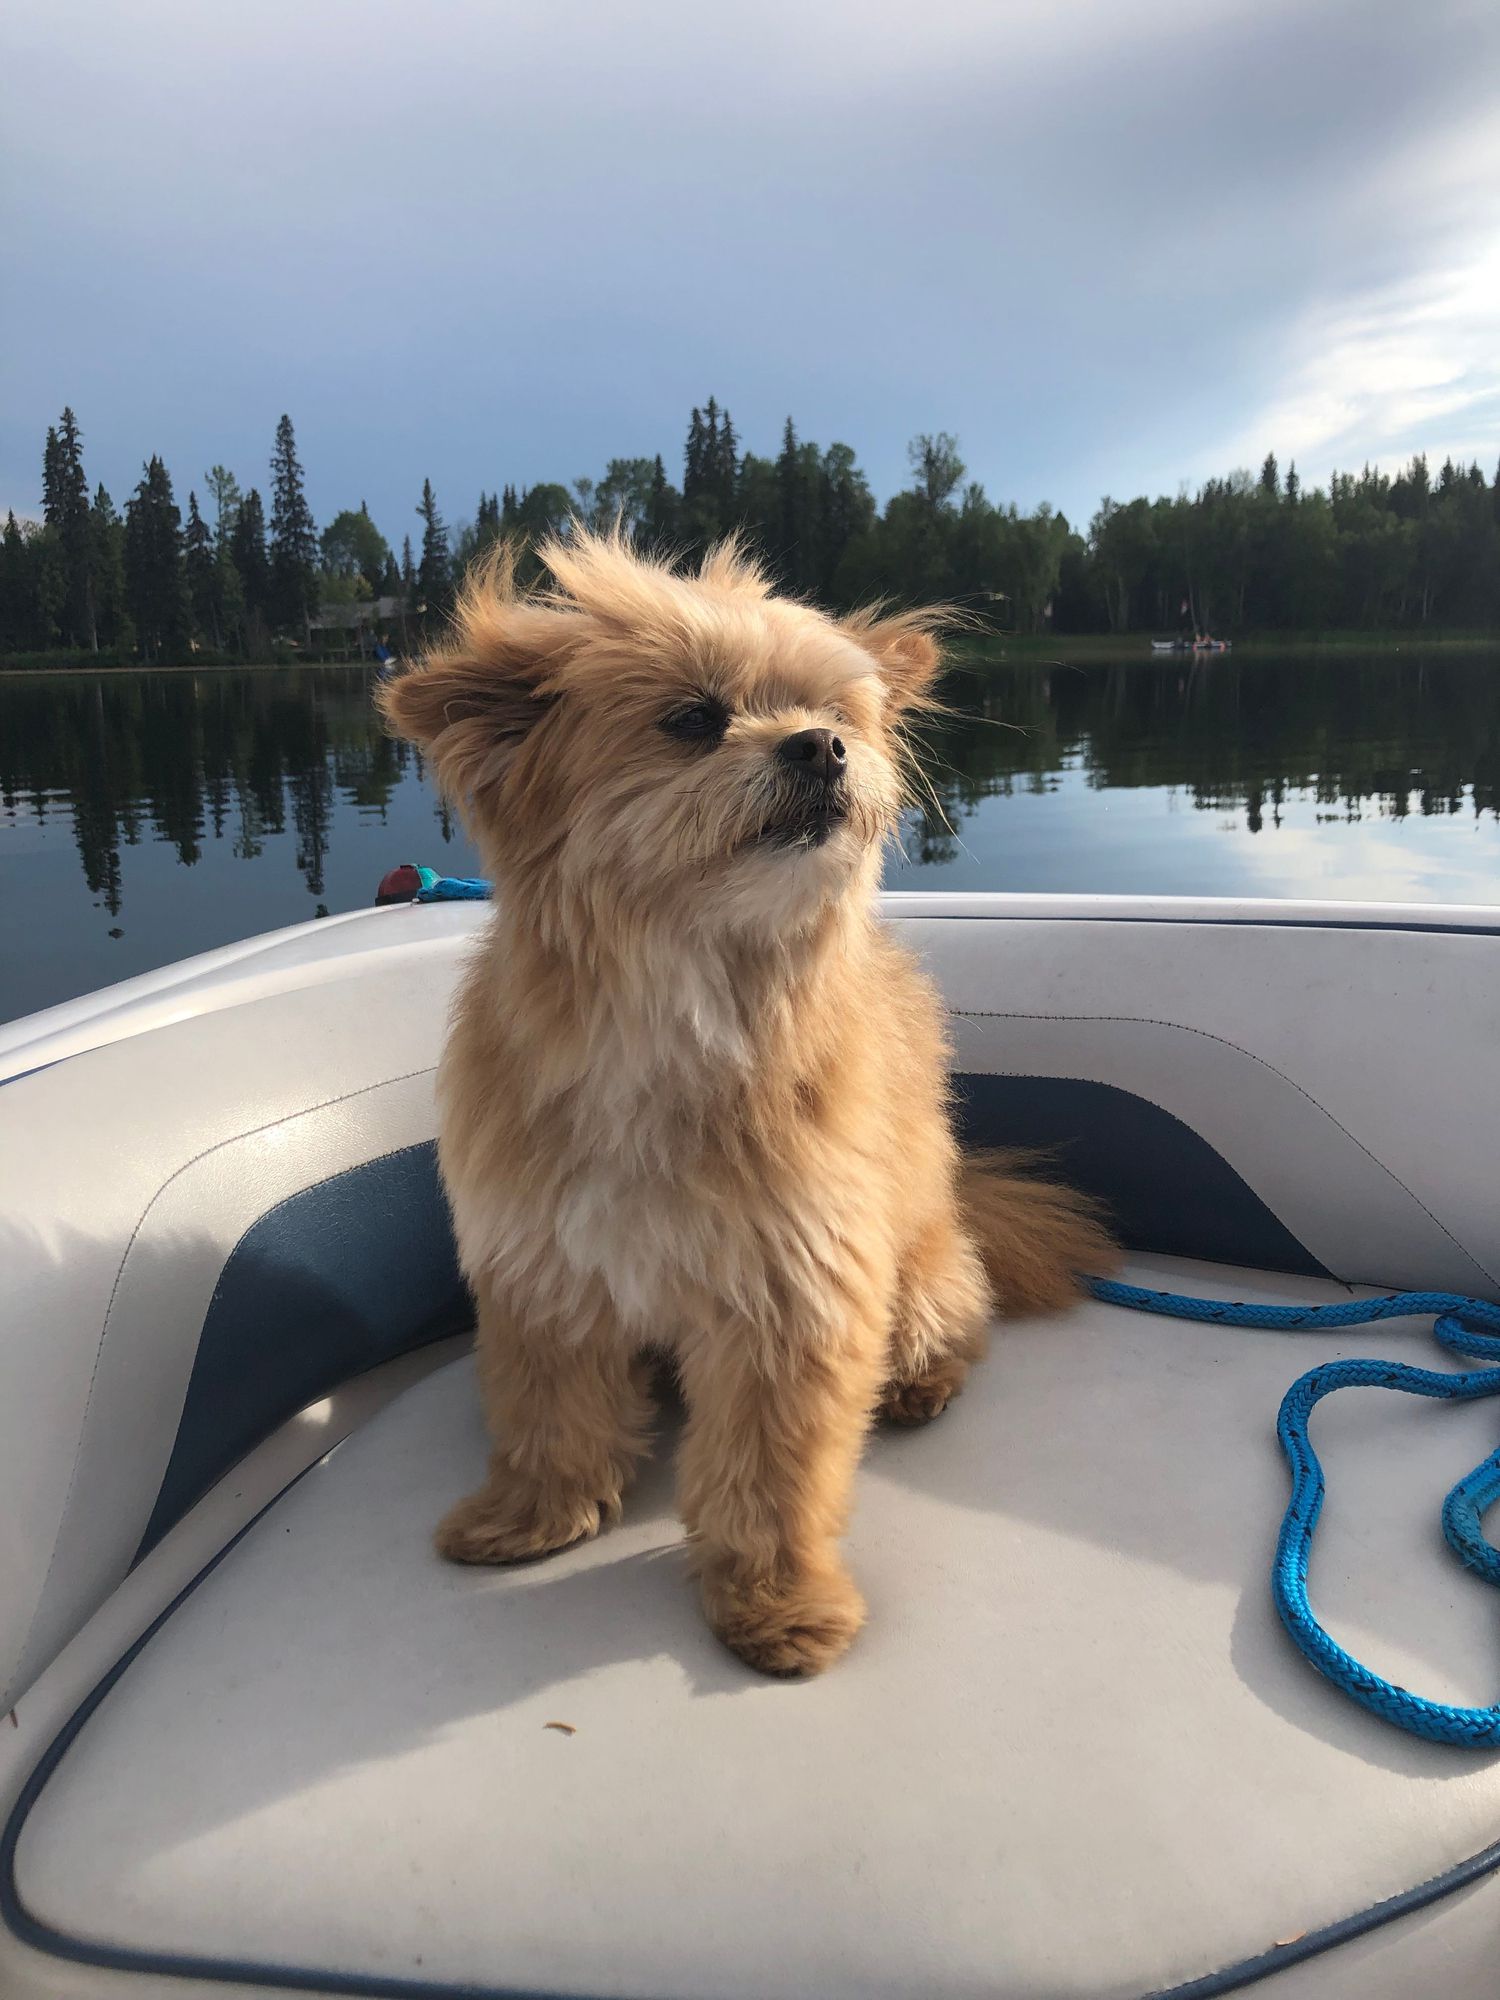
pixel 1201 645
pixel 256 1737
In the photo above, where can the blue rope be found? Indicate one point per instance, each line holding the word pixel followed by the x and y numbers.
pixel 1469 1327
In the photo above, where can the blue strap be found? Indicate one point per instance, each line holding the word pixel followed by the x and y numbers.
pixel 1469 1327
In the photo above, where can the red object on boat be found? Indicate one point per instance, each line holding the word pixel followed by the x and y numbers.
pixel 400 886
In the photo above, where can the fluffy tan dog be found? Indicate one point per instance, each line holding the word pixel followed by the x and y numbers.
pixel 694 1097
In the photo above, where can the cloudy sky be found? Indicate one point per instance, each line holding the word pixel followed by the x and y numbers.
pixel 1111 244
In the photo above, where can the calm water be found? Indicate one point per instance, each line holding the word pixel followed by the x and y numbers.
pixel 144 816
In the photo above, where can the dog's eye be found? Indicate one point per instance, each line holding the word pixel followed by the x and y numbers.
pixel 698 722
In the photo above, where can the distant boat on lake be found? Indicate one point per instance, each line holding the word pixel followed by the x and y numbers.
pixel 1201 645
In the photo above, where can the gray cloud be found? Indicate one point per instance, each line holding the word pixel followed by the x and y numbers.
pixel 1109 245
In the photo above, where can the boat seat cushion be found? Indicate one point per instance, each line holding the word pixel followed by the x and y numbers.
pixel 1071 1754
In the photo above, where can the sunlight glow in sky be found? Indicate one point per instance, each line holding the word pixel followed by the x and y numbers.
pixel 1112 244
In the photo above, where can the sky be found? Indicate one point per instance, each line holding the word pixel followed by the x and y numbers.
pixel 1114 246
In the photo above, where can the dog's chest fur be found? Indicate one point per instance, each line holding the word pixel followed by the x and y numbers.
pixel 640 1173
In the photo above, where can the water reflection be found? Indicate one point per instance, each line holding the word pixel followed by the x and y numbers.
pixel 1354 735
pixel 189 758
pixel 149 815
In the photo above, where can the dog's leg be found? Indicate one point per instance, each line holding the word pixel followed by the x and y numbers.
pixel 942 1320
pixel 766 1465
pixel 570 1416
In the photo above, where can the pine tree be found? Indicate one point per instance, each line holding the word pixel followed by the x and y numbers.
pixel 693 458
pixel 1270 477
pixel 474 542
pixel 65 510
pixel 224 491
pixel 200 570
pixel 792 524
pixel 52 479
pixel 153 566
pixel 247 548
pixel 229 599
pixel 15 589
pixel 709 469
pixel 662 521
pixel 1293 485
pixel 73 536
pixel 107 536
pixel 409 572
pixel 435 571
pixel 847 511
pixel 294 539
pixel 47 587
pixel 726 466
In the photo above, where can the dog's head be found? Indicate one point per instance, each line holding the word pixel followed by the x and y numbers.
pixel 648 745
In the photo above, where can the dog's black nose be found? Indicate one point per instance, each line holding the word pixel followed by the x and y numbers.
pixel 814 753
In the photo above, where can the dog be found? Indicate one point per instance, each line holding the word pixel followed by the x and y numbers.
pixel 694 1095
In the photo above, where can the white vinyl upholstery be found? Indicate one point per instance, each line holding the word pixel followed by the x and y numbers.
pixel 1347 1074
pixel 1072 1754
pixel 1350 1075
pixel 127 1174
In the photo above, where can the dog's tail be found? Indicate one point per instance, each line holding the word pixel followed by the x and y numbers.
pixel 1036 1238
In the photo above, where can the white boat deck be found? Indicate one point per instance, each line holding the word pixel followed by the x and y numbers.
pixel 1072 1754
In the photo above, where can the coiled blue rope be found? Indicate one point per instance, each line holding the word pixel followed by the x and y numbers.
pixel 1470 1327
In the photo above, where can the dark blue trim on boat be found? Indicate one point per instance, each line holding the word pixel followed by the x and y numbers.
pixel 1413 925
pixel 332 1281
pixel 21 1075
pixel 1167 1190
pixel 1231 1978
pixel 362 1267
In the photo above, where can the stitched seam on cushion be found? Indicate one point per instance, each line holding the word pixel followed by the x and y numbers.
pixel 1150 1021
pixel 331 1180
pixel 305 1110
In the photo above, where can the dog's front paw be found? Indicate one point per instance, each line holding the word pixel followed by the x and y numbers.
pixel 502 1523
pixel 781 1627
pixel 919 1401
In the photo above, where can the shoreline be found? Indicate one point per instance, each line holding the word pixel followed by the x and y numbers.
pixel 971 649
pixel 1134 649
pixel 184 667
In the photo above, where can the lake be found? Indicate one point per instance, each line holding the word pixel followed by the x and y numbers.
pixel 144 816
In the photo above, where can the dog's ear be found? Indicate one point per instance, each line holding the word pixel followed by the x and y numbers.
pixel 904 647
pixel 473 699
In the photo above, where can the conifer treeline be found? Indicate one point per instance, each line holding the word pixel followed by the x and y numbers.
pixel 1244 553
